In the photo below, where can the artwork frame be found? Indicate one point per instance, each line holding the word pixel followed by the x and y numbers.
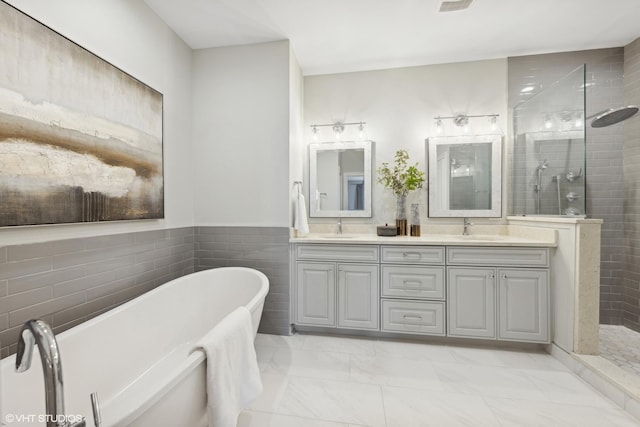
pixel 81 140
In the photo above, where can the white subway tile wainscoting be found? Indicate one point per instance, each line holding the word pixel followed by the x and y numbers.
pixel 331 381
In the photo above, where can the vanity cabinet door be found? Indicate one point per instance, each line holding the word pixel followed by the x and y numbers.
pixel 358 296
pixel 316 293
pixel 523 305
pixel 471 302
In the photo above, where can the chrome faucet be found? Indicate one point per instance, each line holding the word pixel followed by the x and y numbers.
pixel 339 230
pixel 467 224
pixel 37 332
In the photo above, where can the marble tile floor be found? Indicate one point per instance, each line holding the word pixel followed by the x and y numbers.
pixel 329 381
pixel 621 346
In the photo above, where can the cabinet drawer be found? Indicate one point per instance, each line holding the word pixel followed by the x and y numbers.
pixel 413 254
pixel 509 257
pixel 364 253
pixel 415 317
pixel 404 281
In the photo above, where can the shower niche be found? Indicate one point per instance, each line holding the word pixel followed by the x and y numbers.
pixel 549 152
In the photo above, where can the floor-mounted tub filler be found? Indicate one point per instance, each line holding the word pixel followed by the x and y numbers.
pixel 139 357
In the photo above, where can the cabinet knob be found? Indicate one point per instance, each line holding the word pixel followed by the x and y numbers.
pixel 504 276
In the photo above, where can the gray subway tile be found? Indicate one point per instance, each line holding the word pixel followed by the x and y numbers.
pixel 24 268
pixel 109 241
pixel 81 258
pixel 42 250
pixel 80 311
pixel 45 309
pixel 150 236
pixel 109 288
pixel 48 278
pixel 81 284
pixel 24 299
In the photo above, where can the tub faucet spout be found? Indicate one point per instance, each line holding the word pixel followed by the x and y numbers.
pixel 37 332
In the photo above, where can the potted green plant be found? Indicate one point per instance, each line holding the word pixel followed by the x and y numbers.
pixel 401 178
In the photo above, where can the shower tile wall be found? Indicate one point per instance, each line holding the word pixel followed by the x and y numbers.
pixel 605 194
pixel 263 248
pixel 66 282
pixel 631 288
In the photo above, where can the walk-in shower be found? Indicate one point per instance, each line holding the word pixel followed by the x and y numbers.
pixel 549 156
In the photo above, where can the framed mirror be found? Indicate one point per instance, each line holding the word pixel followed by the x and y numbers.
pixel 465 176
pixel 340 179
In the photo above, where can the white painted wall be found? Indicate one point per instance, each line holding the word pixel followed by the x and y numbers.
pixel 399 106
pixel 297 145
pixel 130 36
pixel 241 135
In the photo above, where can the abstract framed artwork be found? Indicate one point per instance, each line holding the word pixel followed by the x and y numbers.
pixel 80 139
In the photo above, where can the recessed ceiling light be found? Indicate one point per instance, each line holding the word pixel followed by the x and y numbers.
pixel 453 5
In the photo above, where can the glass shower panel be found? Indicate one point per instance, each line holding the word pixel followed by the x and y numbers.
pixel 549 153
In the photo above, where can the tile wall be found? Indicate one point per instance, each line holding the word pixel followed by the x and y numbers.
pixel 605 194
pixel 631 288
pixel 263 248
pixel 67 282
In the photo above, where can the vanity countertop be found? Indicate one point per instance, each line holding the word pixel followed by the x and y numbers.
pixel 541 240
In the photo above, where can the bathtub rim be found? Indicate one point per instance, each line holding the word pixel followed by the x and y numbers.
pixel 180 371
pixel 253 303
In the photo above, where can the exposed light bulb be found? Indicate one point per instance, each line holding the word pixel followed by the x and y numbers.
pixel 494 123
pixel 438 126
pixel 361 131
pixel 578 122
pixel 338 128
pixel 315 133
pixel 548 124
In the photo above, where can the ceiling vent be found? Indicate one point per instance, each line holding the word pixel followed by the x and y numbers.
pixel 452 6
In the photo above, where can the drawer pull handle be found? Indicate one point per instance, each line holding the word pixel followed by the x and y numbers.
pixel 412 282
pixel 411 254
pixel 412 317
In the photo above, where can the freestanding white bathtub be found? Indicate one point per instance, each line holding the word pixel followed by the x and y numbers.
pixel 138 356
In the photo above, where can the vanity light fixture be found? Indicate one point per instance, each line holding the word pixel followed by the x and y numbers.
pixel 338 129
pixel 462 120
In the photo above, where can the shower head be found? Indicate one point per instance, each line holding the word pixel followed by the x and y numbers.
pixel 613 116
pixel 543 164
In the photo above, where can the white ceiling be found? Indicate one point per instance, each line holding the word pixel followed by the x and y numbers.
pixel 331 36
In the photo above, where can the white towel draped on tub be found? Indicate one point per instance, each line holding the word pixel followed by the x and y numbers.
pixel 301 223
pixel 233 377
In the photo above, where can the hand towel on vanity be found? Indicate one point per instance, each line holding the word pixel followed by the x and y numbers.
pixel 301 223
pixel 233 377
